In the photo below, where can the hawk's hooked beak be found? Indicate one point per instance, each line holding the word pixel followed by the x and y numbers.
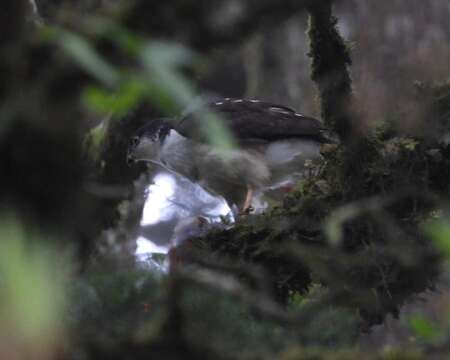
pixel 130 159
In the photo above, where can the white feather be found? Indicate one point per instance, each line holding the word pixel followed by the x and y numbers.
pixel 285 151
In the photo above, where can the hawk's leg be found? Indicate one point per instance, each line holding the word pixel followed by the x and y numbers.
pixel 247 207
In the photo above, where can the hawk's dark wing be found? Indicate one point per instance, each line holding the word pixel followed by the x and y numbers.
pixel 254 119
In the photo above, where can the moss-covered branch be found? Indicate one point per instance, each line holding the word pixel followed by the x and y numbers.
pixel 382 256
pixel 330 61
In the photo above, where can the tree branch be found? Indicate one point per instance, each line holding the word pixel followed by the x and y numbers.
pixel 330 61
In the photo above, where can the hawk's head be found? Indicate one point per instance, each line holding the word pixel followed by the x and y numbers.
pixel 145 145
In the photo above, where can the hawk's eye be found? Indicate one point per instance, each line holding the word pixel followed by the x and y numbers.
pixel 134 141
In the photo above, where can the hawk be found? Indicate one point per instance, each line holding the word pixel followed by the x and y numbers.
pixel 275 144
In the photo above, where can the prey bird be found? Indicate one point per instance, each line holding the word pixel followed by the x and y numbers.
pixel 274 145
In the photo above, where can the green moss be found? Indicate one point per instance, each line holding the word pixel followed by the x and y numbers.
pixel 318 354
pixel 397 354
pixel 93 141
pixel 383 257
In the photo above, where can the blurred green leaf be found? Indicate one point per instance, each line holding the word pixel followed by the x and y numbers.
pixel 217 133
pixel 335 222
pixel 31 286
pixel 409 144
pixel 297 300
pixel 424 329
pixel 117 103
pixel 93 140
pixel 439 231
pixel 161 61
pixel 168 55
pixel 87 57
pixel 163 83
pixel 98 99
pixel 128 41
